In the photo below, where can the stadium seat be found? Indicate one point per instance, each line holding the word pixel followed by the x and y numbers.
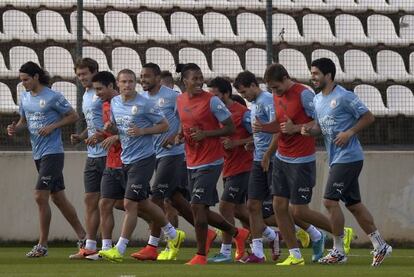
pixel 340 76
pixel 91 30
pixel 256 61
pixel 19 89
pixel 5 73
pixel 192 55
pixel 50 25
pixel 284 28
pixel 391 65
pixel 371 97
pixel 58 4
pixel 124 57
pixel 18 25
pixel 316 29
pixel 155 4
pixel 138 87
pixel 188 5
pixel 217 28
pixel 314 5
pixel 348 6
pixel 249 5
pixel 407 28
pixel 358 66
pixel 59 62
pixel 118 26
pixel 380 6
pixel 23 4
pixel 5 37
pixel 100 4
pixel 286 6
pixel 402 5
pixel 20 55
pixel 7 104
pixel 162 57
pixel 69 90
pixel 98 55
pixel 349 29
pixel 381 29
pixel 400 100
pixel 250 27
pixel 226 62
pixel 295 63
pixel 151 25
pixel 411 61
pixel 184 27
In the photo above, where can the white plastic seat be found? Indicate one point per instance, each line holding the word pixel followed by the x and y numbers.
pixel 284 28
pixel 5 37
pixel 91 30
pixel 5 73
pixel 124 57
pixel 58 4
pixel 217 28
pixel 98 55
pixel 184 27
pixel 19 89
pixel 400 100
pixel 59 62
pixel 348 6
pixel 250 5
pixel 256 61
pixel 151 25
pixel 407 28
pixel 18 25
pixel 162 57
pixel 391 65
pixel 250 27
pixel 371 97
pixel 358 66
pixel 51 25
pixel 192 55
pixel 226 62
pixel 22 4
pixel 314 5
pixel 19 55
pixel 188 5
pixel 286 6
pixel 348 28
pixel 7 104
pixel 381 29
pixel 156 4
pixel 380 6
pixel 118 26
pixel 69 90
pixel 316 29
pixel 411 61
pixel 295 63
pixel 340 76
pixel 402 5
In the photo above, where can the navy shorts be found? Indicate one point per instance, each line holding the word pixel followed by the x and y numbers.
pixel 50 172
pixel 113 183
pixel 235 188
pixel 92 174
pixel 137 177
pixel 203 182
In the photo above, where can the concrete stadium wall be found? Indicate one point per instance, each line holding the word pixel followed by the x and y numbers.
pixel 387 189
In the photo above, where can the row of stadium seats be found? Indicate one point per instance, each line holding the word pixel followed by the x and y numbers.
pixel 400 99
pixel 357 64
pixel 50 25
pixel 354 6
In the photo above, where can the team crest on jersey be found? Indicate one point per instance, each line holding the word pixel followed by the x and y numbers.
pixel 94 98
pixel 134 109
pixel 161 102
pixel 42 103
pixel 220 107
pixel 333 104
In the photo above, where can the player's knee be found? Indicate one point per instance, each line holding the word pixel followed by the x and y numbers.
pixel 254 206
pixel 281 205
pixel 91 201
pixel 41 199
pixel 105 205
pixel 130 206
pixel 330 204
pixel 298 211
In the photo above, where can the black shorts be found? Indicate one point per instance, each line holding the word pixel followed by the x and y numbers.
pixel 137 177
pixel 50 169
pixel 294 181
pixel 168 171
pixel 203 182
pixel 259 182
pixel 92 174
pixel 343 183
pixel 235 188
pixel 267 208
pixel 113 183
pixel 183 183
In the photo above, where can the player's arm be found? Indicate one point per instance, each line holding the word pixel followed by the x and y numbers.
pixel 289 127
pixel 68 118
pixel 269 153
pixel 16 128
pixel 77 138
pixel 311 130
pixel 227 129
pixel 109 141
pixel 364 121
pixel 158 128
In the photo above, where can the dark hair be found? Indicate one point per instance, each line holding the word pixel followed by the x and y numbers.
pixel 222 84
pixel 326 66
pixel 184 68
pixel 89 63
pixel 105 78
pixel 155 68
pixel 245 79
pixel 31 69
pixel 126 71
pixel 238 99
pixel 275 72
pixel 166 74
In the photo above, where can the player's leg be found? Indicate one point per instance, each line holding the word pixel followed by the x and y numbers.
pixel 171 213
pixel 45 215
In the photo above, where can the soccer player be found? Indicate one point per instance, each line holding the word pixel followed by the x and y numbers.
pixel 340 116
pixel 237 165
pixel 259 181
pixel 204 119
pixel 135 119
pixel 44 112
pixel 85 69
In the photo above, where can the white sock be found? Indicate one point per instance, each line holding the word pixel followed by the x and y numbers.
pixel 121 245
pixel 169 231
pixel 258 247
pixel 106 244
pixel 90 244
pixel 376 239
pixel 297 228
pixel 153 241
pixel 269 234
pixel 295 252
pixel 226 249
pixel 315 234
pixel 338 243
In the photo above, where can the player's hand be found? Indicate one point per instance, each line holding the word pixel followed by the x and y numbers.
pixel 135 131
pixel 47 130
pixel 169 142
pixel 249 146
pixel 305 131
pixel 109 141
pixel 287 127
pixel 197 134
pixel 227 143
pixel 257 125
pixel 75 138
pixel 266 162
pixel 11 129
pixel 342 138
pixel 96 138
pixel 109 127
pixel 179 139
